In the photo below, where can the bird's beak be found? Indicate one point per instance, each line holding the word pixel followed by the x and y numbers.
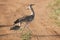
pixel 32 4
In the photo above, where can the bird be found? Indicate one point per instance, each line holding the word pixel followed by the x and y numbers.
pixel 27 18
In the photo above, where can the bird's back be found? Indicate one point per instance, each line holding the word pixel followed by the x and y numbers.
pixel 29 18
pixel 17 21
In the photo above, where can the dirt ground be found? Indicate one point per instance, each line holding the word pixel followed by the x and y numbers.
pixel 42 25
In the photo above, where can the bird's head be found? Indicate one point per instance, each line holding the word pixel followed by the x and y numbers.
pixel 30 8
pixel 30 5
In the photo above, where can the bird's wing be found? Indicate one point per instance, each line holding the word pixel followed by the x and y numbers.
pixel 19 19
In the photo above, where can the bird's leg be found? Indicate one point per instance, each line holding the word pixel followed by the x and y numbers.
pixel 24 27
pixel 27 26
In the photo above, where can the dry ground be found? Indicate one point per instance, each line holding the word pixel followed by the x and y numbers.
pixel 42 25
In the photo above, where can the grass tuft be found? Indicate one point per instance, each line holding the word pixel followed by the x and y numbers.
pixel 26 36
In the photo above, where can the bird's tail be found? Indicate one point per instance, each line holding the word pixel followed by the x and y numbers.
pixel 16 27
pixel 12 28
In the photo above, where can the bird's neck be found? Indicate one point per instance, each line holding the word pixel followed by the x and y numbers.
pixel 32 11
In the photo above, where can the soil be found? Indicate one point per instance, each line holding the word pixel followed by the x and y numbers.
pixel 42 27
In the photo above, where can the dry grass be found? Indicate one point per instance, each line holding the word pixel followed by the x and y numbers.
pixel 55 11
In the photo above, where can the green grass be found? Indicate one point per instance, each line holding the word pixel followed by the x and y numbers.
pixel 26 36
pixel 55 11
